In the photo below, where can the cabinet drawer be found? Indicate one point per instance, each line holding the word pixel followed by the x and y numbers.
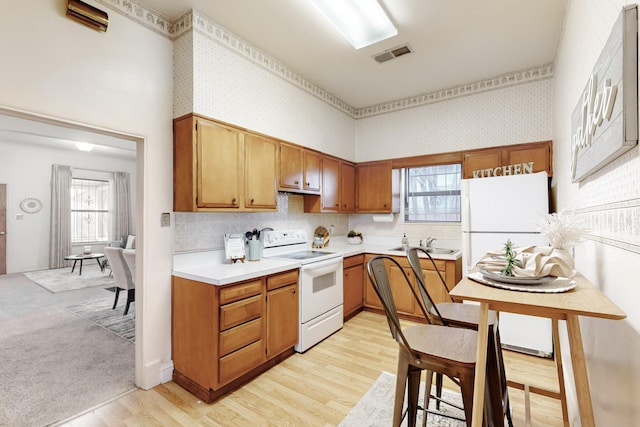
pixel 280 280
pixel 238 292
pixel 352 260
pixel 235 338
pixel 440 264
pixel 240 311
pixel 240 362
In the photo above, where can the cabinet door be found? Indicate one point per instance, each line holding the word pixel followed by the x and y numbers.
pixel 374 187
pixel 480 161
pixel 436 290
pixel 370 297
pixel 220 166
pixel 402 295
pixel 290 167
pixel 353 295
pixel 539 156
pixel 347 187
pixel 261 170
pixel 330 184
pixel 312 162
pixel 282 319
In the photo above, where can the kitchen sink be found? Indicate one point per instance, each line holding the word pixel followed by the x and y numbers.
pixel 439 251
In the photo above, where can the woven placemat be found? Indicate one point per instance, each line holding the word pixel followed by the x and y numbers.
pixel 560 284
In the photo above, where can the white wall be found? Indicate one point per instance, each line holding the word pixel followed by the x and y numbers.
pixel 26 169
pixel 230 87
pixel 119 80
pixel 505 116
pixel 510 115
pixel 611 347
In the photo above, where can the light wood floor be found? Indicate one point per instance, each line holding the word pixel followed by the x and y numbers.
pixel 317 388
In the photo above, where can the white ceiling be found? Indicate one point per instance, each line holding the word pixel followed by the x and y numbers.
pixel 26 131
pixel 455 42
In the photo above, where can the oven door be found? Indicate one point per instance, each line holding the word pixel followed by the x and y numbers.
pixel 320 288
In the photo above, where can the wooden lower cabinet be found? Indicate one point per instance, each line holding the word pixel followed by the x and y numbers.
pixel 353 276
pixel 282 313
pixel 222 336
pixel 451 271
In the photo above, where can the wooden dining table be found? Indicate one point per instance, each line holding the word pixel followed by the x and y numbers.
pixel 584 300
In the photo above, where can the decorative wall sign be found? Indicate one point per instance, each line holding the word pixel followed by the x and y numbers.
pixel 517 169
pixel 31 205
pixel 604 123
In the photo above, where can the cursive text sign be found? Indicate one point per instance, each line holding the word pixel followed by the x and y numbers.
pixel 604 123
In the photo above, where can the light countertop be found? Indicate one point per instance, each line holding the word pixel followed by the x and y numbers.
pixel 211 266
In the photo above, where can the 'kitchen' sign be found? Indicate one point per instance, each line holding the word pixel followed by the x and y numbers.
pixel 604 124
pixel 517 169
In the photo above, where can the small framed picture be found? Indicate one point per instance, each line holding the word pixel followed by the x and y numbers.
pixel 234 247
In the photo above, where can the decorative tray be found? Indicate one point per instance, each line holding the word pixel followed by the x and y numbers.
pixel 557 285
pixel 520 280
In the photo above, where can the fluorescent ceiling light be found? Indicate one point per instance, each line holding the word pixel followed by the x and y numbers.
pixel 84 146
pixel 361 22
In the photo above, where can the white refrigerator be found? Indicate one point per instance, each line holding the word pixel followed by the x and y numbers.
pixel 497 209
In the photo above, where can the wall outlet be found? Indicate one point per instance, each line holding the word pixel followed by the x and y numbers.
pixel 165 219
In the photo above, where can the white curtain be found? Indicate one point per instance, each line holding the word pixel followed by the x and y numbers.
pixel 60 230
pixel 121 205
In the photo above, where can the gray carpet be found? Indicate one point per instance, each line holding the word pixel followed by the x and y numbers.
pixel 99 311
pixel 55 364
pixel 376 407
pixel 62 280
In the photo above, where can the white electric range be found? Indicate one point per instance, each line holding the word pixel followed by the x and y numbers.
pixel 319 283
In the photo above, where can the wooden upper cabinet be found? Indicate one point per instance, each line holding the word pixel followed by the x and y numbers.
pixel 347 187
pixel 475 161
pixel 377 187
pixel 330 184
pixel 508 160
pixel 290 167
pixel 300 169
pixel 338 188
pixel 222 168
pixel 312 171
pixel 540 157
pixel 261 164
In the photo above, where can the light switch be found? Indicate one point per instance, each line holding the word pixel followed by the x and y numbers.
pixel 19 216
pixel 165 219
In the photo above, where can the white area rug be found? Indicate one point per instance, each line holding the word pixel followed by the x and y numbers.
pixel 62 280
pixel 376 407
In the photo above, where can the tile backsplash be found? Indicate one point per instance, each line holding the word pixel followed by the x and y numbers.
pixel 199 231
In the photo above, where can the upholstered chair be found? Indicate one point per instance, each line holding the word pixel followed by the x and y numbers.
pixel 121 275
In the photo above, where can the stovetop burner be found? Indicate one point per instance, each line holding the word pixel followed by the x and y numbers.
pixel 303 255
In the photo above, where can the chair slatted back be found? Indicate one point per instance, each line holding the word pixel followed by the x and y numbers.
pixel 414 261
pixel 377 271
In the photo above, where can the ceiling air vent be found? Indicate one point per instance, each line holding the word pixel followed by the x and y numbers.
pixel 392 53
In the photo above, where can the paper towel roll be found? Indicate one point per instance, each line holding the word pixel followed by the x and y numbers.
pixel 383 218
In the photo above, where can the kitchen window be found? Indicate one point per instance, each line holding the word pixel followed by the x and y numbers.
pixel 89 210
pixel 432 193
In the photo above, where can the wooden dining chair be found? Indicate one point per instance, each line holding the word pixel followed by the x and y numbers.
pixel 428 347
pixel 466 316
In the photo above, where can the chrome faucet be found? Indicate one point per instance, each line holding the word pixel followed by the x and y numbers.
pixel 428 241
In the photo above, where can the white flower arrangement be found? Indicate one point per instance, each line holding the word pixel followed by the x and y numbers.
pixel 562 230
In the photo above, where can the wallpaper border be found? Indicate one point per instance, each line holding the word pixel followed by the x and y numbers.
pixel 615 224
pixel 197 21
